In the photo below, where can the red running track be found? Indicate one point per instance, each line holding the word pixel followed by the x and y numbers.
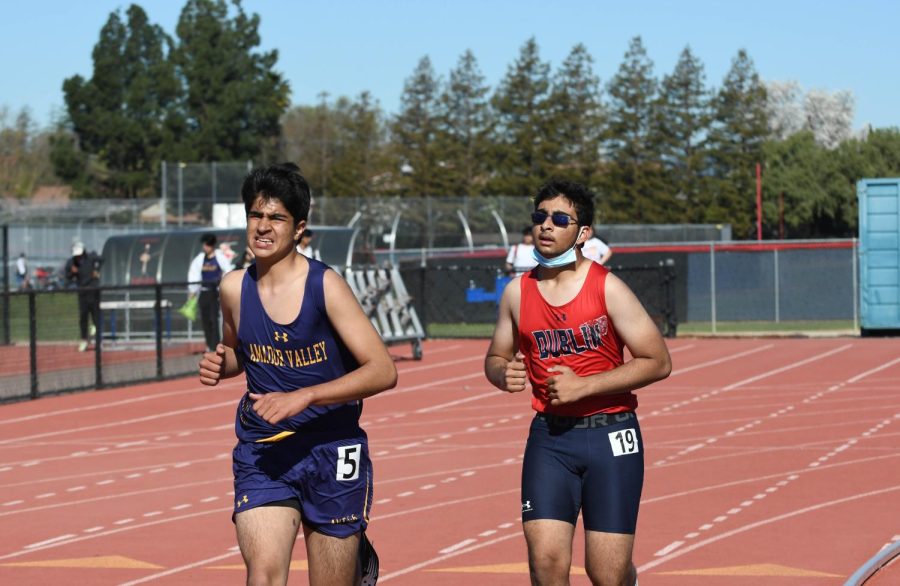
pixel 769 461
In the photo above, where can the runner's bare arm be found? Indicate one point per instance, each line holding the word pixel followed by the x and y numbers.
pixel 503 364
pixel 650 357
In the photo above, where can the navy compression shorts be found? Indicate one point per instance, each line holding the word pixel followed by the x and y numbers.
pixel 591 464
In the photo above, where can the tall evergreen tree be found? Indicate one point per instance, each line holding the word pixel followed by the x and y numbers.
pixel 577 116
pixel 233 97
pixel 633 180
pixel 739 128
pixel 521 154
pixel 121 114
pixel 359 158
pixel 682 123
pixel 415 131
pixel 464 124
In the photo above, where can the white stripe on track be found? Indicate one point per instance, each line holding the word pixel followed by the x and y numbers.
pixel 749 527
pixel 676 372
pixel 460 401
pixel 785 368
pixel 28 438
pixel 863 375
pixel 427 385
pixel 438 559
pixel 109 405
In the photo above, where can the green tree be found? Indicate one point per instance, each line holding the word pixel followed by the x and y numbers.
pixel 818 199
pixel 737 133
pixel 463 127
pixel 521 155
pixel 577 117
pixel 633 180
pixel 233 98
pixel 682 122
pixel 360 161
pixel 121 114
pixel 307 136
pixel 414 133
pixel 24 155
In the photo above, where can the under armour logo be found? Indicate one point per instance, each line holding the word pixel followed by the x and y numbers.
pixel 241 501
pixel 526 507
pixel 281 337
pixel 561 316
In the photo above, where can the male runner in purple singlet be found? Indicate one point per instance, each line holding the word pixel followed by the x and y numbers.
pixel 310 355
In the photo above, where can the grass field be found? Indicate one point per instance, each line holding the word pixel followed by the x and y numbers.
pixel 771 327
pixel 56 315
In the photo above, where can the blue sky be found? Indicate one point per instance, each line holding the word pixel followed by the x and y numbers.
pixel 344 47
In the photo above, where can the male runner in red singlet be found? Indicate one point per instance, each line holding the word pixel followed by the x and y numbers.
pixel 563 327
pixel 310 355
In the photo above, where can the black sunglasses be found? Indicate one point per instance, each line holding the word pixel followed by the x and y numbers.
pixel 559 219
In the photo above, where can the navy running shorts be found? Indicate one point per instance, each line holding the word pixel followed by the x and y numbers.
pixel 329 474
pixel 591 464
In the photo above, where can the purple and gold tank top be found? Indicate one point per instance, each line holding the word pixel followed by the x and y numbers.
pixel 286 357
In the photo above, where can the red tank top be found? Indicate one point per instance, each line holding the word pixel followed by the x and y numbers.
pixel 577 334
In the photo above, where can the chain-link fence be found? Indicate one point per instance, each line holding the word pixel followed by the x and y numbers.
pixel 190 190
pixel 140 337
pixel 461 300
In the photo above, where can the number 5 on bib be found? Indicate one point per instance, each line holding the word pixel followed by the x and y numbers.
pixel 348 462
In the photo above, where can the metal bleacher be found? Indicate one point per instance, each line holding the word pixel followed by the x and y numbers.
pixel 386 302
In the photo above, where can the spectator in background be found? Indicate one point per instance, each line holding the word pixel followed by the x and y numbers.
pixel 520 258
pixel 596 250
pixel 22 272
pixel 82 270
pixel 204 274
pixel 305 248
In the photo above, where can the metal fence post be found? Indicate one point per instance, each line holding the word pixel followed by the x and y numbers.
pixel 712 285
pixel 32 341
pixel 98 336
pixel 5 284
pixel 157 311
pixel 854 276
pixel 777 292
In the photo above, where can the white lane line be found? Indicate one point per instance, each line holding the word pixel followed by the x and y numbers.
pixel 669 548
pixel 680 371
pixel 121 423
pixel 863 375
pixel 191 387
pixel 459 545
pixel 757 524
pixel 478 357
pixel 435 383
pixel 441 558
pixel 171 571
pixel 785 368
pixel 50 541
pixel 458 402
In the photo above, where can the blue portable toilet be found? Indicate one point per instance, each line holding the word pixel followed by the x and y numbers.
pixel 879 253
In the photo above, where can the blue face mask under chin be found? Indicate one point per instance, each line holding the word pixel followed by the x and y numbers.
pixel 566 258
